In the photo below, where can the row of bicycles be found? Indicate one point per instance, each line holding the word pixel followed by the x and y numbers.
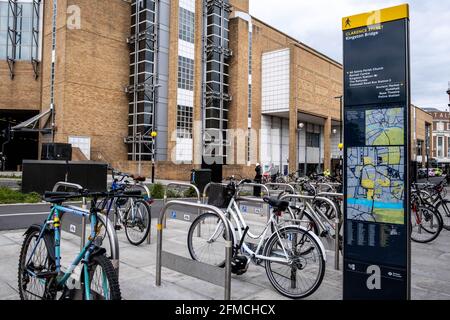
pixel 430 211
pixel 290 247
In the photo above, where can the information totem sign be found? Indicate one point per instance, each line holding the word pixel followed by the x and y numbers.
pixel 377 155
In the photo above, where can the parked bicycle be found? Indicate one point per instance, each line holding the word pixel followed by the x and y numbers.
pixel 91 275
pixel 437 198
pixel 426 221
pixel 293 257
pixel 133 214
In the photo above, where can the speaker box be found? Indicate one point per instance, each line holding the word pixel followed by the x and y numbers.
pixel 56 151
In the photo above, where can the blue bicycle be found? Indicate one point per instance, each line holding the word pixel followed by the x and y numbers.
pixel 40 275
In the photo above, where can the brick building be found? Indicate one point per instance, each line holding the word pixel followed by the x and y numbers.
pixel 441 136
pixel 190 70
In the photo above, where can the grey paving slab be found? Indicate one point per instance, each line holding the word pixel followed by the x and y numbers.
pixel 430 271
pixel 5 241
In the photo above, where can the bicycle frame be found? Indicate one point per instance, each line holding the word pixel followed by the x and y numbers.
pixel 54 218
pixel 234 211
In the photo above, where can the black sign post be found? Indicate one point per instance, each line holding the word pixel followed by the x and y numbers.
pixel 377 155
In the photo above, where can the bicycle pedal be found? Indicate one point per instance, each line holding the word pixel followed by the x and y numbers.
pixel 118 228
pixel 324 234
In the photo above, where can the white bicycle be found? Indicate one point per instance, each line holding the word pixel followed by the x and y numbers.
pixel 293 256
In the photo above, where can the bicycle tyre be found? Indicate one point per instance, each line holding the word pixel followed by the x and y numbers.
pixel 273 240
pixel 148 214
pixel 109 274
pixel 443 208
pixel 434 234
pixel 220 262
pixel 33 234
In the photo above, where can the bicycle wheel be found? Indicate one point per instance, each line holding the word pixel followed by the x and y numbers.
pixel 426 224
pixel 444 209
pixel 304 272
pixel 138 222
pixel 304 218
pixel 30 286
pixel 103 280
pixel 206 240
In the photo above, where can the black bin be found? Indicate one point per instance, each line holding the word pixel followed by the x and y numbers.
pixel 201 178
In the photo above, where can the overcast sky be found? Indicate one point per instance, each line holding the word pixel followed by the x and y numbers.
pixel 317 23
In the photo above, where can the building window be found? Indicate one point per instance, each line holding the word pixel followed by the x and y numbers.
pixel 83 143
pixel 440 147
pixel 420 146
pixel 448 151
pixel 24 30
pixel 312 140
pixel 184 122
pixel 186 25
pixel 185 73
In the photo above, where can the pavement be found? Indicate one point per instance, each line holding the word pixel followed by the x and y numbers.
pixel 430 270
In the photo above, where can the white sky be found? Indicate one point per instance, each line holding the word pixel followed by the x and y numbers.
pixel 317 23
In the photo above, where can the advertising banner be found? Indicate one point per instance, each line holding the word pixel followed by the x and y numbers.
pixel 377 154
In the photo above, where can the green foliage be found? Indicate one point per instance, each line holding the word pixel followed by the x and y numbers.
pixel 157 191
pixel 10 196
pixel 172 194
pixel 190 193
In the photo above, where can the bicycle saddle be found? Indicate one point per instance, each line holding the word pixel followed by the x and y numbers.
pixel 138 178
pixel 277 204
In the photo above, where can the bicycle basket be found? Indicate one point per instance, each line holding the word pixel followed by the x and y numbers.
pixel 220 196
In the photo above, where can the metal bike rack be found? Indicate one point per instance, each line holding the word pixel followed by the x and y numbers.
pixel 263 204
pixel 262 186
pixel 187 186
pixel 205 191
pixel 282 185
pixel 73 228
pixel 253 199
pixel 112 235
pixel 336 221
pixel 190 267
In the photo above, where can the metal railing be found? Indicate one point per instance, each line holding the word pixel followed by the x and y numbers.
pixel 286 186
pixel 190 267
pixel 186 186
pixel 337 222
pixel 257 185
pixel 110 231
pixel 205 191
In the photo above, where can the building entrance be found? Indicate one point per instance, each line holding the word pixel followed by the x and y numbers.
pixel 17 146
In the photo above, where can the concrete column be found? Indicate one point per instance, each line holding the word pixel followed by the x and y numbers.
pixel 198 76
pixel 327 144
pixel 293 112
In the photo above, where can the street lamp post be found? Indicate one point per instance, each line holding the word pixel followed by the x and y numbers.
pixel 154 134
pixel 341 143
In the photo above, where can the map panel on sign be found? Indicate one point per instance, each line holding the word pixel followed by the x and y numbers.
pixel 385 127
pixel 375 184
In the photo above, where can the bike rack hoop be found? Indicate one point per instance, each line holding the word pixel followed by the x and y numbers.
pixel 258 185
pixel 113 239
pixel 337 221
pixel 184 185
pixel 286 186
pixel 189 267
